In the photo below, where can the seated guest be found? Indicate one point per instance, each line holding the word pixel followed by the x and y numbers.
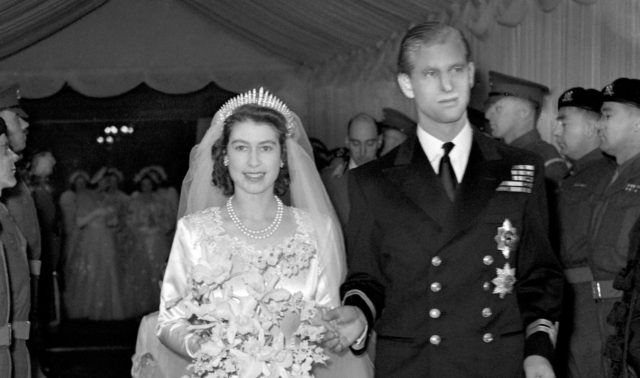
pixel 363 141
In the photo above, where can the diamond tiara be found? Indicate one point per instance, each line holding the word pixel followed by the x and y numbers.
pixel 260 97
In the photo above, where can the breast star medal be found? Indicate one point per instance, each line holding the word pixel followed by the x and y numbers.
pixel 504 281
pixel 507 238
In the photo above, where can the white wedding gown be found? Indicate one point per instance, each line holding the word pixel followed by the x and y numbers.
pixel 202 236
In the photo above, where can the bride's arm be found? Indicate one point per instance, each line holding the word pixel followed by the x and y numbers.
pixel 172 319
pixel 331 260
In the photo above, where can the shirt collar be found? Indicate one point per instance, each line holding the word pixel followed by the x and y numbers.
pixel 459 155
pixel 352 164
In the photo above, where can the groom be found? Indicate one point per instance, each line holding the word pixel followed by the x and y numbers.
pixel 448 254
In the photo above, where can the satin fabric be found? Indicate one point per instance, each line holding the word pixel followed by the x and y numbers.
pixel 201 235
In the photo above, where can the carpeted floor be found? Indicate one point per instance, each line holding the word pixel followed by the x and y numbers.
pixel 86 349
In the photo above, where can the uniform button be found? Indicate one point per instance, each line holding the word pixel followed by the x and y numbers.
pixel 436 287
pixel 487 337
pixel 486 286
pixel 434 313
pixel 435 340
pixel 486 312
pixel 487 260
pixel 436 261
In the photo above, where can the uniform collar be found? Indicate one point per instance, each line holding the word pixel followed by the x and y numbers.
pixel 586 160
pixel 526 139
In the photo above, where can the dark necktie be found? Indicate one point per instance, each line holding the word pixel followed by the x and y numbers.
pixel 446 173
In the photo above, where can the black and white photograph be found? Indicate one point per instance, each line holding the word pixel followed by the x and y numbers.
pixel 319 188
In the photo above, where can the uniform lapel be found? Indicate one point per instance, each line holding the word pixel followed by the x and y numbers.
pixel 485 171
pixel 415 177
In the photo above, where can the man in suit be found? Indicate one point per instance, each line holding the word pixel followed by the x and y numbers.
pixel 363 141
pixel 448 257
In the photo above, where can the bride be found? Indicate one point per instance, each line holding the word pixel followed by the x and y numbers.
pixel 254 153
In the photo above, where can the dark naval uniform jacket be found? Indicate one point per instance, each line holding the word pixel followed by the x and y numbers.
pixel 462 289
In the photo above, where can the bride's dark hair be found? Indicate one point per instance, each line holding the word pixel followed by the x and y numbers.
pixel 258 114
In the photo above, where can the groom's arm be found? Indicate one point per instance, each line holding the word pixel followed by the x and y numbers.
pixel 363 288
pixel 541 281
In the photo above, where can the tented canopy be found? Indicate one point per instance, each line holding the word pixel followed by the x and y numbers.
pixel 328 59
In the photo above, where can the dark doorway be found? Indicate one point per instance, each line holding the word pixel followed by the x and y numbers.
pixel 69 125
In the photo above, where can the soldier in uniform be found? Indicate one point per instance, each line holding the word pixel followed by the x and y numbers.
pixel 18 198
pixel 617 197
pixel 14 288
pixel 513 109
pixel 5 316
pixel 363 141
pixel 448 256
pixel 577 136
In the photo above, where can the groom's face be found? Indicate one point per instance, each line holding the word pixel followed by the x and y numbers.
pixel 440 81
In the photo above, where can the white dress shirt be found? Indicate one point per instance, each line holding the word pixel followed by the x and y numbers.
pixel 459 155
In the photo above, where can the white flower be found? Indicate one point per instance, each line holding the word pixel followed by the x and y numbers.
pixel 267 332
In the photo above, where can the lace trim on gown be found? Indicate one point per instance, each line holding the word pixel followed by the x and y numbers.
pixel 211 237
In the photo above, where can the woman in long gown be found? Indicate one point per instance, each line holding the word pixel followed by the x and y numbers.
pixel 240 222
pixel 149 217
pixel 92 289
pixel 78 182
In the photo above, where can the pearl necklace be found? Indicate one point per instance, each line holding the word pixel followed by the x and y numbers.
pixel 257 234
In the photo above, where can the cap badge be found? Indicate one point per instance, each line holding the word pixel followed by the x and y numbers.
pixel 568 97
pixel 608 90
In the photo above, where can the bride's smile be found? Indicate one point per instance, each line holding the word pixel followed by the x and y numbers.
pixel 254 155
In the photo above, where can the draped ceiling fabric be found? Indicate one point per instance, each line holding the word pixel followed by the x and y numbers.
pixel 24 22
pixel 330 59
pixel 163 43
pixel 560 43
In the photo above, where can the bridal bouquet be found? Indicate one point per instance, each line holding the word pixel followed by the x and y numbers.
pixel 248 326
